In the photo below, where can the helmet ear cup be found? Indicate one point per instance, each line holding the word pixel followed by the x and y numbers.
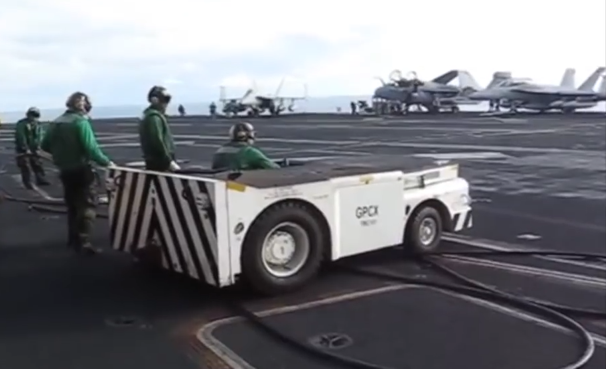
pixel 158 95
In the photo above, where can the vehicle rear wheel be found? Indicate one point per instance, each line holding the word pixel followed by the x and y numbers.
pixel 149 259
pixel 423 231
pixel 283 250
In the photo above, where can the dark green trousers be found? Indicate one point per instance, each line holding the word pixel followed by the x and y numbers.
pixel 158 165
pixel 25 162
pixel 80 194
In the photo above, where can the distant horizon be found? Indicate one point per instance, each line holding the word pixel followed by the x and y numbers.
pixel 311 105
pixel 323 104
pixel 11 111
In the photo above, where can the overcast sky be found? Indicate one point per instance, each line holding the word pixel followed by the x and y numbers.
pixel 116 49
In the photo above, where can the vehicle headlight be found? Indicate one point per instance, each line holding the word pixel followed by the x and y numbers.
pixel 465 200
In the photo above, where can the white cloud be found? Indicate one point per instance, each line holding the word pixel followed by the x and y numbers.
pixel 48 48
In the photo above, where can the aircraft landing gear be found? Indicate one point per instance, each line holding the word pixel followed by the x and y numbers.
pixel 405 109
pixel 513 109
pixel 253 113
pixel 568 110
pixel 454 109
pixel 433 109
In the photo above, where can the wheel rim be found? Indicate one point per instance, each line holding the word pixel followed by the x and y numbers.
pixel 428 231
pixel 285 250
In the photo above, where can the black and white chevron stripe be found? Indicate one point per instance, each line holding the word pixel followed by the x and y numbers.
pixel 462 221
pixel 177 214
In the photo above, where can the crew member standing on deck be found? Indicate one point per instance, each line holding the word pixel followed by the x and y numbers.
pixel 213 110
pixel 154 133
pixel 353 107
pixel 71 142
pixel 28 134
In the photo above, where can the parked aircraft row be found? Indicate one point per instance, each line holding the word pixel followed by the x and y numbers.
pixel 253 103
pixel 401 93
pixel 503 91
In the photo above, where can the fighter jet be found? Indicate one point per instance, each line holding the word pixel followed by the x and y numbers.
pixel 515 94
pixel 433 95
pixel 255 104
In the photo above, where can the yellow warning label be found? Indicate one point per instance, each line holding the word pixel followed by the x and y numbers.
pixel 235 186
pixel 366 179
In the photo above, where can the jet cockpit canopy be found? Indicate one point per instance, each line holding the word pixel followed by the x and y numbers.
pixel 405 82
pixel 513 82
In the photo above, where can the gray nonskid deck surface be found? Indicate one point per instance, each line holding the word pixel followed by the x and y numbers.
pixel 397 329
pixel 55 306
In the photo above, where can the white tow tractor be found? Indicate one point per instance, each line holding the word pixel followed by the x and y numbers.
pixel 275 228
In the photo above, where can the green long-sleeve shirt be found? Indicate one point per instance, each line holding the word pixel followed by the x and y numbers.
pixel 71 142
pixel 28 134
pixel 156 140
pixel 241 156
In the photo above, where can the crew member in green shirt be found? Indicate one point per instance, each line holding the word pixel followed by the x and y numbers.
pixel 28 134
pixel 154 133
pixel 239 153
pixel 71 142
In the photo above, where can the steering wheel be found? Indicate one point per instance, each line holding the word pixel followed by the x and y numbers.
pixel 285 162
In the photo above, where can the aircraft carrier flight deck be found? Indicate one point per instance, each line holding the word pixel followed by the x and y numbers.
pixel 538 182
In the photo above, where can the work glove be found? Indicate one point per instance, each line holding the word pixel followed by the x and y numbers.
pixel 111 165
pixel 174 166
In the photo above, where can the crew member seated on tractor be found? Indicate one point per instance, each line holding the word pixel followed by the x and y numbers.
pixel 28 135
pixel 239 153
pixel 155 136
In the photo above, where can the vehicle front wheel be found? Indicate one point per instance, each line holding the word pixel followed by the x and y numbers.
pixel 283 250
pixel 423 231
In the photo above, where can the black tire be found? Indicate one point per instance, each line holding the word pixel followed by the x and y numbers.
pixel 251 259
pixel 412 238
pixel 148 258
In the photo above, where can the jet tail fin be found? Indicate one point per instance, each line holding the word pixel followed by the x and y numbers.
pixel 568 78
pixel 602 89
pixel 446 77
pixel 249 96
pixel 280 85
pixel 467 82
pixel 589 84
pixel 497 78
